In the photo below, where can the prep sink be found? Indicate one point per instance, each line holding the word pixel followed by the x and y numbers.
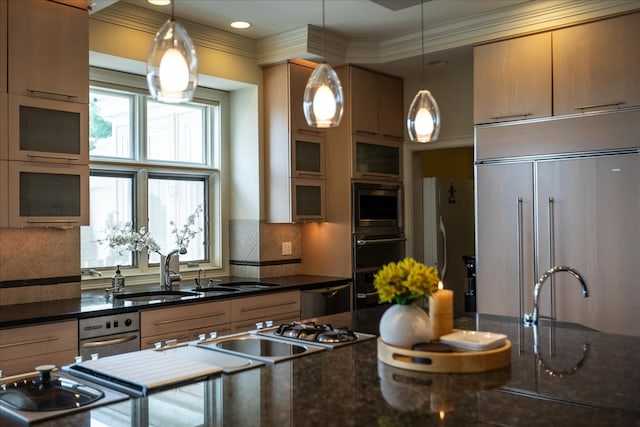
pixel 156 296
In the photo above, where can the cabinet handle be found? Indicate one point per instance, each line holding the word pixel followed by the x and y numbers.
pixel 246 309
pixel 366 133
pixel 394 137
pixel 363 295
pixel 114 341
pixel 38 156
pixel 177 338
pixel 611 104
pixel 36 341
pixel 379 241
pixel 42 92
pixel 510 116
pixel 57 221
pixel 312 132
pixel 380 175
pixel 310 175
pixel 183 319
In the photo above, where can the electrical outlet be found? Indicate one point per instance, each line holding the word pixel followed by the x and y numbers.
pixel 286 248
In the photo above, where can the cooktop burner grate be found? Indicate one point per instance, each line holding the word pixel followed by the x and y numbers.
pixel 313 332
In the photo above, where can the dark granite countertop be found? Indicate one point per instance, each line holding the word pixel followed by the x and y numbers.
pixel 579 377
pixel 93 302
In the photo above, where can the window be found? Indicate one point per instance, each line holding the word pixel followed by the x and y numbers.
pixel 155 170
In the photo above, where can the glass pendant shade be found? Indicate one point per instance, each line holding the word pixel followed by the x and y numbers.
pixel 172 65
pixel 323 99
pixel 423 120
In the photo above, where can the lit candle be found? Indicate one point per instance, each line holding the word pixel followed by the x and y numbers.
pixel 441 311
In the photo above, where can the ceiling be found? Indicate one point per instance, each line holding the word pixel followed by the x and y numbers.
pixel 381 34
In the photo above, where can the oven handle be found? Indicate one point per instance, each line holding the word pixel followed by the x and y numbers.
pixel 362 295
pixel 378 241
pixel 94 344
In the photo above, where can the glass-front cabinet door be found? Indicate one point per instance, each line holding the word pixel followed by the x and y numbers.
pixel 376 159
pixel 45 130
pixel 47 194
pixel 308 156
pixel 308 200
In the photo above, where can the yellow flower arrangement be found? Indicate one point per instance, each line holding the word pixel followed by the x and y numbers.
pixel 405 281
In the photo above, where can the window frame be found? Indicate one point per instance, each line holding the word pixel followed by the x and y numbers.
pixel 213 171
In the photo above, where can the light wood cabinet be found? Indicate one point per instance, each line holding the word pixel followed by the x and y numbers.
pixel 281 307
pixel 3 48
pixel 47 194
pixel 595 65
pixel 295 151
pixel 24 348
pixel 48 50
pixel 184 322
pixel 512 79
pixel 376 104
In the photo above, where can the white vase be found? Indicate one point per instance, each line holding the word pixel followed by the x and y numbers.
pixel 405 325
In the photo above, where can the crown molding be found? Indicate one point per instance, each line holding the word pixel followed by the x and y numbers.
pixel 312 43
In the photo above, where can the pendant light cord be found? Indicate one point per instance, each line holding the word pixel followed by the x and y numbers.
pixel 324 53
pixel 422 40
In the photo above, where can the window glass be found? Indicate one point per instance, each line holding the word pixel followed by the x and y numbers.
pixel 176 216
pixel 175 132
pixel 110 130
pixel 111 208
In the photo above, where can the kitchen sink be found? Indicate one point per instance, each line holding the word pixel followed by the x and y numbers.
pixel 229 363
pixel 156 296
pixel 265 349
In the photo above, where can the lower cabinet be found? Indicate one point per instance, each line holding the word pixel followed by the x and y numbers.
pixel 183 322
pixel 281 307
pixel 24 348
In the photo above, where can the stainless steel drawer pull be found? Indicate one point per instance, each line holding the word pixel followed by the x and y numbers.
pixel 36 341
pixel 184 319
pixel 49 221
pixel 114 341
pixel 329 290
pixel 611 104
pixel 40 156
pixel 510 116
pixel 310 131
pixel 43 92
pixel 262 307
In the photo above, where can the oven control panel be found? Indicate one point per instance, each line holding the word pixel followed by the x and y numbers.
pixel 108 325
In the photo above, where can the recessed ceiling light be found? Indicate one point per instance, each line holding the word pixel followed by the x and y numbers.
pixel 159 2
pixel 241 25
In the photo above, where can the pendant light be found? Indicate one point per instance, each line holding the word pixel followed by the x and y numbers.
pixel 323 100
pixel 172 65
pixel 423 120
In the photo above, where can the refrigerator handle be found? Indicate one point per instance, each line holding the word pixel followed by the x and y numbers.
pixel 552 253
pixel 443 229
pixel 519 243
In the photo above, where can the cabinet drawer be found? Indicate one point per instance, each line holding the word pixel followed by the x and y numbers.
pixel 46 130
pixel 183 318
pixel 279 319
pixel 265 307
pixel 47 194
pixel 31 341
pixel 184 335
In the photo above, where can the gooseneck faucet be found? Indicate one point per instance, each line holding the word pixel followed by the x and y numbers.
pixel 532 318
pixel 168 280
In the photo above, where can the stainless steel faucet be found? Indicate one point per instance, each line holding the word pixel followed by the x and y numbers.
pixel 532 318
pixel 168 278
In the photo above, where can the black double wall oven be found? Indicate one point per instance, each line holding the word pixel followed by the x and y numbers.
pixel 378 235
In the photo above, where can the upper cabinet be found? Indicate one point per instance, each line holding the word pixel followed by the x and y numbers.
pixel 578 69
pixel 376 104
pixel 595 65
pixel 295 151
pixel 48 50
pixel 512 79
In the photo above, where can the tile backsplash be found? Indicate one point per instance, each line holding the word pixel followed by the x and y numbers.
pixel 39 253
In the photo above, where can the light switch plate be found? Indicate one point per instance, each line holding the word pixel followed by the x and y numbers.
pixel 286 248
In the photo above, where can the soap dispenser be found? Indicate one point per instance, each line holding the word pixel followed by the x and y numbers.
pixel 117 280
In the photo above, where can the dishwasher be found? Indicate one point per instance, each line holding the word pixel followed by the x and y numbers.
pixel 108 335
pixel 324 301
